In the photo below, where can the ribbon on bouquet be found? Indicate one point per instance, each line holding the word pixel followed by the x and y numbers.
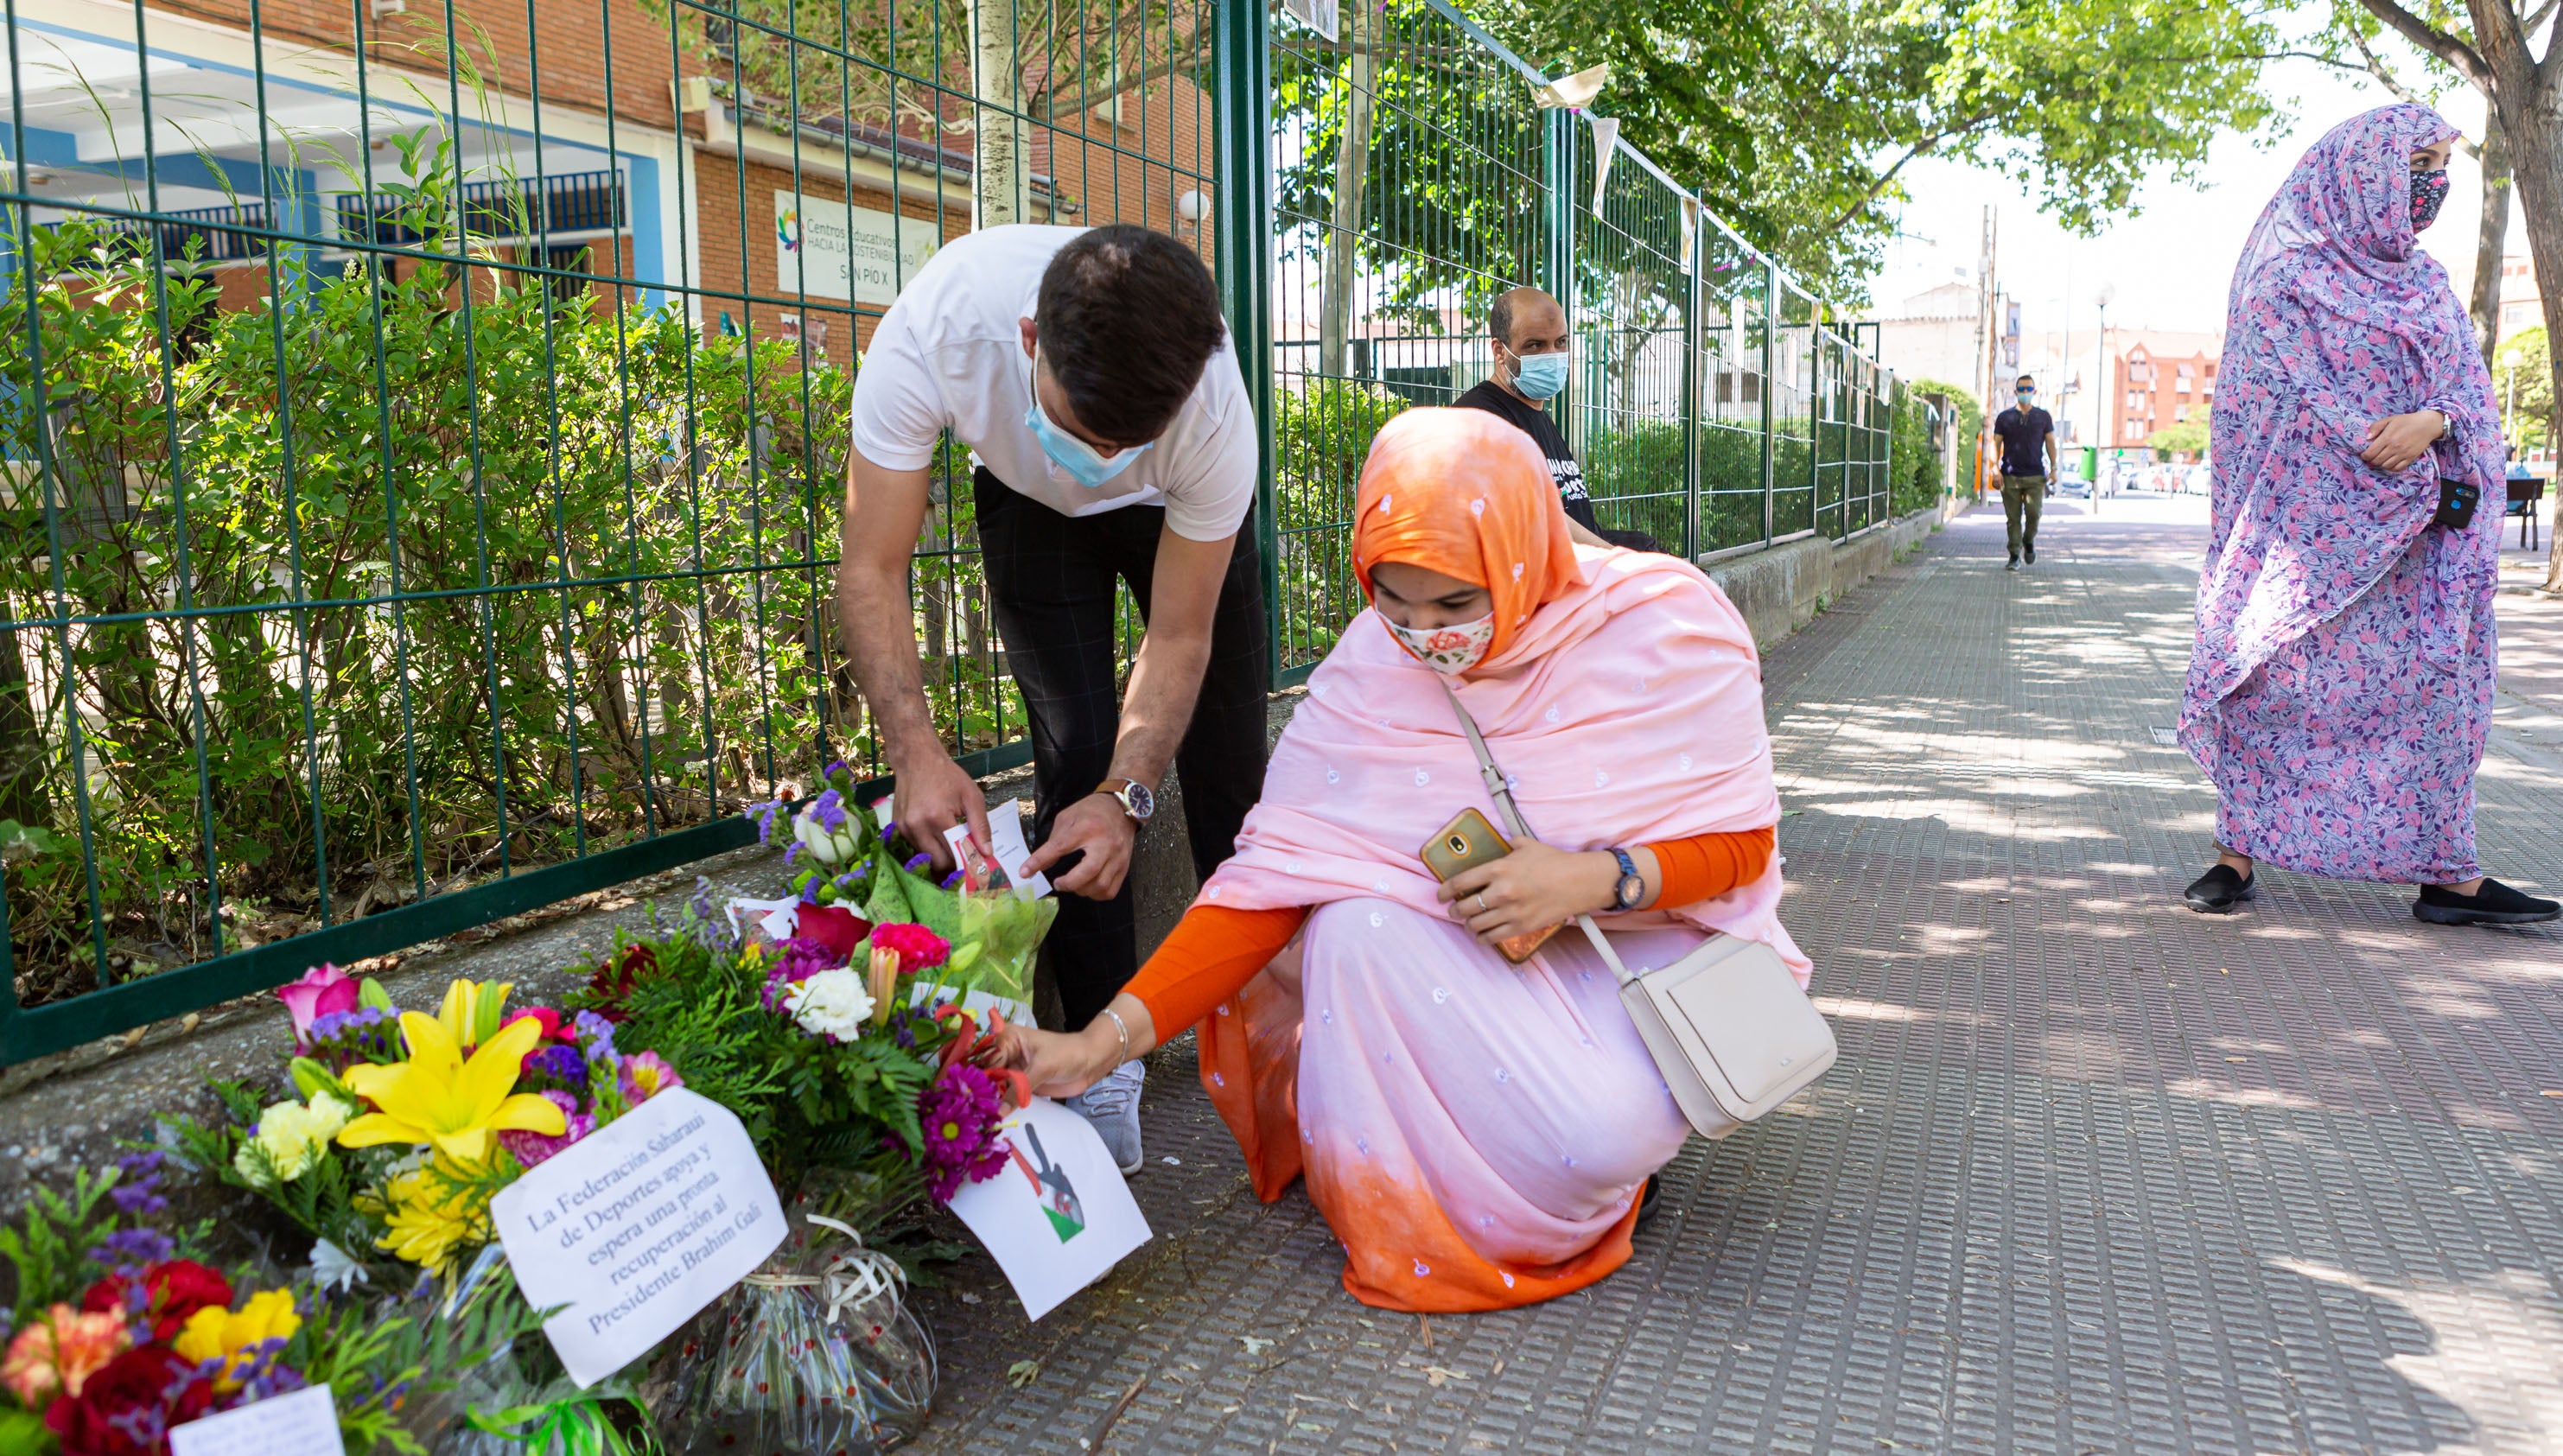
pixel 852 1278
pixel 575 1426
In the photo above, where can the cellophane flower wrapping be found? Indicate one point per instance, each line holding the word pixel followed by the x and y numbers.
pixel 764 1370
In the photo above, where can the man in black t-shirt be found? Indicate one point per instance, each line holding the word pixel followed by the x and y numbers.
pixel 1532 342
pixel 2026 432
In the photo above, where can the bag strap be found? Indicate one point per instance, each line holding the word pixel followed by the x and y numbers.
pixel 1501 790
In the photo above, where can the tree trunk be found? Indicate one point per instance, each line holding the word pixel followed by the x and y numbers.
pixel 2494 235
pixel 1001 162
pixel 1352 175
pixel 2535 137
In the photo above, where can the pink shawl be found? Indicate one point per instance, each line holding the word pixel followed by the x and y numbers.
pixel 1629 709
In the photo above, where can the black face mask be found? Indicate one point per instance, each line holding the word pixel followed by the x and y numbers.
pixel 2429 190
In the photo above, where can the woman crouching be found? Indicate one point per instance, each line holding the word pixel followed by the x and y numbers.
pixel 1477 1133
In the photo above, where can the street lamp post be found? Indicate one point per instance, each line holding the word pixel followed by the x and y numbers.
pixel 2100 390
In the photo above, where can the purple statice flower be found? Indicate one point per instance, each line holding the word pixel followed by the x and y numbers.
pixel 951 880
pixel 532 1148
pixel 598 1035
pixel 262 1375
pixel 557 1067
pixel 829 809
pixel 342 1039
pixel 137 1191
pixel 763 813
pixel 889 828
pixel 129 1251
pixel 833 769
pixel 795 961
pixel 793 852
pixel 810 890
pixel 959 1115
pixel 918 861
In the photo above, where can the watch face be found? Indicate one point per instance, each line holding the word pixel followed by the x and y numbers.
pixel 1632 889
pixel 1142 803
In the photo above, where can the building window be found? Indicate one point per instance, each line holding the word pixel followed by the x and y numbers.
pixel 2180 416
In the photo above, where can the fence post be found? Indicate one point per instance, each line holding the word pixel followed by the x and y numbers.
pixel 1557 229
pixel 1690 379
pixel 1770 362
pixel 1244 221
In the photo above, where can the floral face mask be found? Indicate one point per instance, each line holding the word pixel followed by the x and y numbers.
pixel 2429 189
pixel 1451 650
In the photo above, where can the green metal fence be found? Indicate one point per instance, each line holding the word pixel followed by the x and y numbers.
pixel 423 432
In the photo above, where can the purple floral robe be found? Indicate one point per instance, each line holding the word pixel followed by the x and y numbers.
pixel 2341 683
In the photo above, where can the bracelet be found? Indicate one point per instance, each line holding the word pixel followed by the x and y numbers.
pixel 1122 1027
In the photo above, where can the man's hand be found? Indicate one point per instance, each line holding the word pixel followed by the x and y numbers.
pixel 934 794
pixel 1098 826
pixel 2395 442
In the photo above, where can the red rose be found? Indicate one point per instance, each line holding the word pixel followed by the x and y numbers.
pixel 171 1292
pixel 614 979
pixel 833 926
pixel 128 1407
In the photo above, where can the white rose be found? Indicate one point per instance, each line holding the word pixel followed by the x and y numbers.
pixel 831 1003
pixel 847 843
pixel 814 839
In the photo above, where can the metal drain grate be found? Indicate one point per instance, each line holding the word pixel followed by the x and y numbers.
pixel 2167 738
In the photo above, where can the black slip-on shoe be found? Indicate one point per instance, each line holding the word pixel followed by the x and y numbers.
pixel 2220 890
pixel 2028 552
pixel 1649 1200
pixel 2494 904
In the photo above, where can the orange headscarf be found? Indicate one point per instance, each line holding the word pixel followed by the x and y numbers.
pixel 1466 494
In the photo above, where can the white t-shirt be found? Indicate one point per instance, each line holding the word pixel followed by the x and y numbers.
pixel 950 355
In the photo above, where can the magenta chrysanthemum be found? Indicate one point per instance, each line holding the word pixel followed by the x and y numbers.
pixel 532 1148
pixel 960 1114
pixel 795 961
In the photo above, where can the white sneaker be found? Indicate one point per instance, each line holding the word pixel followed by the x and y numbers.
pixel 1111 1107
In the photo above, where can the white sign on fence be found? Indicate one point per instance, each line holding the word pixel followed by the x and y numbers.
pixel 635 1226
pixel 831 249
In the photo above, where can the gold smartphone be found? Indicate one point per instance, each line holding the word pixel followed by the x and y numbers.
pixel 1465 843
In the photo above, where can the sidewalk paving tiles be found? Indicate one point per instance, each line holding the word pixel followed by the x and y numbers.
pixel 2094 1173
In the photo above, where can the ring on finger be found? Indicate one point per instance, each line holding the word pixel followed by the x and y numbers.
pixel 1483 907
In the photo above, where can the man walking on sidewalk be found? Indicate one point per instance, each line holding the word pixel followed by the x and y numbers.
pixel 2028 460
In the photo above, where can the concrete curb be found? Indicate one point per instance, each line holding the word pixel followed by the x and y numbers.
pixel 1780 590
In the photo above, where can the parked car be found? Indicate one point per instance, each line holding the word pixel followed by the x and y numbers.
pixel 2071 484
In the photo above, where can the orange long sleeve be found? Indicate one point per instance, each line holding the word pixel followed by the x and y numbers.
pixel 1706 866
pixel 1213 951
pixel 1210 955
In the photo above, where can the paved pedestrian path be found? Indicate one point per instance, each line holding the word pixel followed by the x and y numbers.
pixel 2094 1173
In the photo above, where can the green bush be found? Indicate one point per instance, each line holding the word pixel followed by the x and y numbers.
pixel 1322 434
pixel 447 575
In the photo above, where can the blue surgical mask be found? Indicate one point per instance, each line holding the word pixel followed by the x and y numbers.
pixel 1540 376
pixel 1088 466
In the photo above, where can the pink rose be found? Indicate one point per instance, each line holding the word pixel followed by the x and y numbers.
pixel 324 990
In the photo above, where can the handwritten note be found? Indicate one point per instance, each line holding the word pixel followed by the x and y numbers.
pixel 638 1226
pixel 304 1423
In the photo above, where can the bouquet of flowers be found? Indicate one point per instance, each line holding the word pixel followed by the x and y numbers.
pixel 850 872
pixel 396 1129
pixel 848 1061
pixel 123 1331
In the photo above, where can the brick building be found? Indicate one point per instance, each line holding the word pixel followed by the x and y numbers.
pixel 590 138
pixel 2158 379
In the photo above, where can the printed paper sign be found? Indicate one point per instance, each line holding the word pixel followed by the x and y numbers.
pixel 637 1226
pixel 829 250
pixel 304 1423
pixel 978 872
pixel 777 918
pixel 1059 1215
pixel 1005 837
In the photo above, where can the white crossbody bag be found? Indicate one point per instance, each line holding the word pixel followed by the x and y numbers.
pixel 1730 1031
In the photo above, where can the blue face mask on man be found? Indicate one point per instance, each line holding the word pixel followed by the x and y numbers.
pixel 1085 464
pixel 1539 376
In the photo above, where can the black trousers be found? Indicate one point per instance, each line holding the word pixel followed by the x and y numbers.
pixel 1049 581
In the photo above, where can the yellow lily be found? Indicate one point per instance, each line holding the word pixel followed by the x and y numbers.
pixel 472 1009
pixel 438 1098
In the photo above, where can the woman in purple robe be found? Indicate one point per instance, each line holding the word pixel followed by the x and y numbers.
pixel 2341 683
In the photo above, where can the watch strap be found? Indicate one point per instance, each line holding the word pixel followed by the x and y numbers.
pixel 1628 872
